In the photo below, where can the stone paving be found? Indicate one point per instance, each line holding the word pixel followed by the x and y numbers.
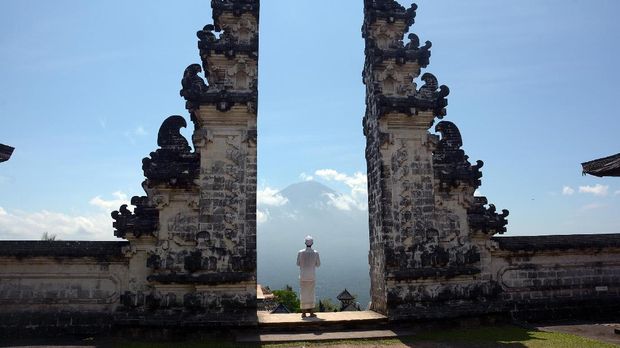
pixel 606 332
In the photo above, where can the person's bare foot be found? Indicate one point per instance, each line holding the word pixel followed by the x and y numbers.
pixel 303 315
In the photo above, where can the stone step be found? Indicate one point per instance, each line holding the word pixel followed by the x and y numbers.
pixel 332 320
pixel 318 335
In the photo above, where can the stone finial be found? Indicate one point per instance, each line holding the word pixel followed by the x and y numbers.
pixel 193 86
pixel 169 136
pixel 173 164
pixel 433 94
pixel 450 163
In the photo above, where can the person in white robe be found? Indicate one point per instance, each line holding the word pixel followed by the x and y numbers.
pixel 307 260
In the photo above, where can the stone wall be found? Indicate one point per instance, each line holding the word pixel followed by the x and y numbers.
pixel 572 276
pixel 67 286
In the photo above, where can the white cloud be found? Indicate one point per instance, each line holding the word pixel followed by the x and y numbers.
pixel 306 177
pixel 262 216
pixel 568 191
pixel 343 202
pixel 269 196
pixel 478 193
pixel 357 198
pixel 113 204
pixel 19 224
pixel 32 225
pixel 597 190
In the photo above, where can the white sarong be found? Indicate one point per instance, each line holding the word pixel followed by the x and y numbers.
pixel 306 294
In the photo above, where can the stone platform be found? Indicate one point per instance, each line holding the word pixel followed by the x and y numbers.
pixel 274 328
pixel 324 319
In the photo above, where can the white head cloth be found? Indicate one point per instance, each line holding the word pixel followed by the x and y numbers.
pixel 309 240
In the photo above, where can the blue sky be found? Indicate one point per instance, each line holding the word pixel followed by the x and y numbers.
pixel 85 85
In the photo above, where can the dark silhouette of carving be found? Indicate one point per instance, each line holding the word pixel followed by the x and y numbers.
pixel 5 152
pixel 486 220
pixel 451 165
pixel 173 164
pixel 143 221
pixel 193 85
pixel 169 136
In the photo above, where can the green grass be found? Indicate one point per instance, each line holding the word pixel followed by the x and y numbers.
pixel 508 336
pixel 486 336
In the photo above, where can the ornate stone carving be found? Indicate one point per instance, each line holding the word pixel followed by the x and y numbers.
pixel 193 86
pixel 451 165
pixel 486 220
pixel 236 7
pixel 430 97
pixel 389 11
pixel 143 221
pixel 173 164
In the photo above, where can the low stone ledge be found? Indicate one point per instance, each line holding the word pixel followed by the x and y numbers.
pixel 73 249
pixel 558 242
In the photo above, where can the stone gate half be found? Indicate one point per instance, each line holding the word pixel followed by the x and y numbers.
pixel 193 235
pixel 432 251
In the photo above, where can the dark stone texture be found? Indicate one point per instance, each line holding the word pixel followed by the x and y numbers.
pixel 559 242
pixel 48 324
pixel 203 279
pixel 433 272
pixel 193 262
pixel 143 221
pixel 70 249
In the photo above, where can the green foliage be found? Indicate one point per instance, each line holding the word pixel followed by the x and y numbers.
pixel 289 298
pixel 48 237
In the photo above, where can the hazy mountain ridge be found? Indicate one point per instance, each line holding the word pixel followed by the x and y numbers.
pixel 341 238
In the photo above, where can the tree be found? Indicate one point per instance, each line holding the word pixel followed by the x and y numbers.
pixel 326 305
pixel 49 237
pixel 288 297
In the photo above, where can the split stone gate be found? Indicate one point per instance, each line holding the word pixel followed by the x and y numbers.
pixel 190 254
